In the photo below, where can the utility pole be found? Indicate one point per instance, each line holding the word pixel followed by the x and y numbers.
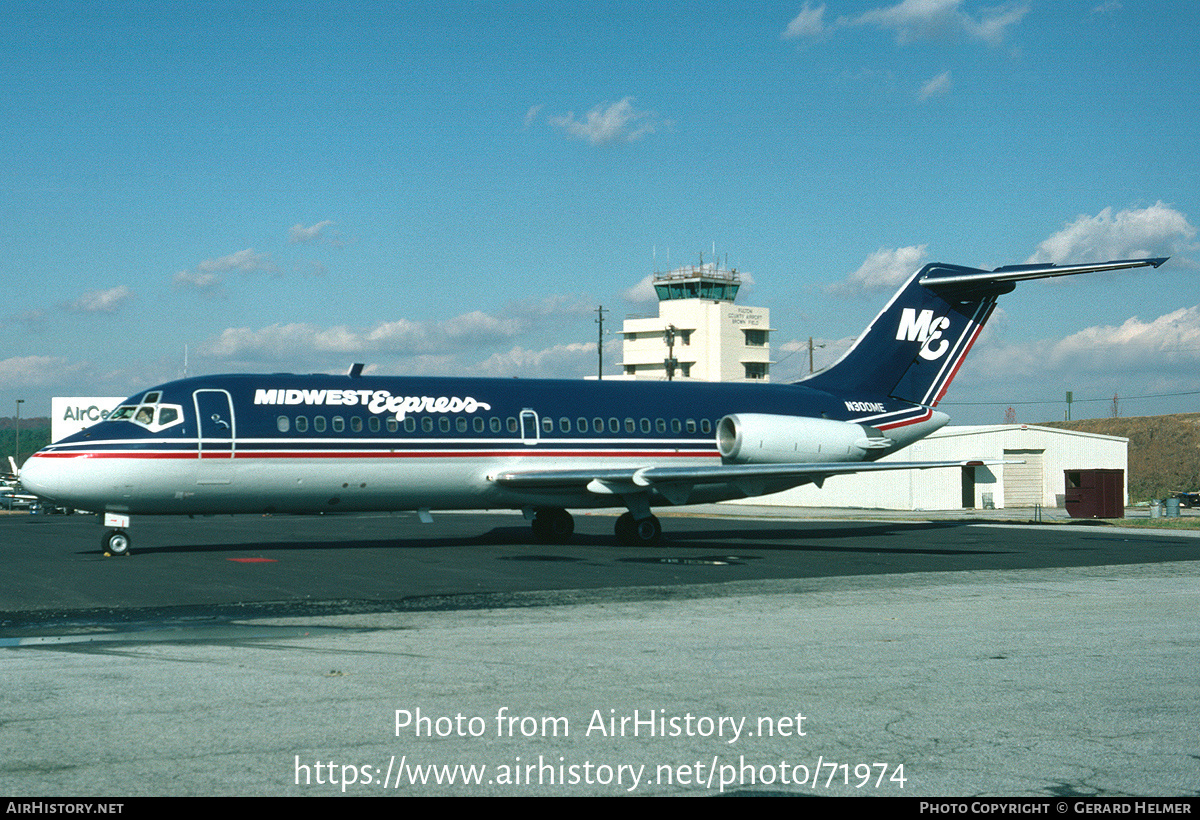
pixel 669 338
pixel 600 311
pixel 1070 398
pixel 810 353
pixel 17 457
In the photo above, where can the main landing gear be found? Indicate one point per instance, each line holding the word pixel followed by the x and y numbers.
pixel 633 532
pixel 554 525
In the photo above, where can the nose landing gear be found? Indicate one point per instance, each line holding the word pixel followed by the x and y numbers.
pixel 115 542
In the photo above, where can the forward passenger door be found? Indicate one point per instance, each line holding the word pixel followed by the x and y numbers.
pixel 214 424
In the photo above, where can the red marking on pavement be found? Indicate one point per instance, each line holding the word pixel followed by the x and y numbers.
pixel 253 560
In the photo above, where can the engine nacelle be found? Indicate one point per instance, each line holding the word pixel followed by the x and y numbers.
pixel 761 438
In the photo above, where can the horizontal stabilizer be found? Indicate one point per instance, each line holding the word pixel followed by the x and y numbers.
pixel 937 277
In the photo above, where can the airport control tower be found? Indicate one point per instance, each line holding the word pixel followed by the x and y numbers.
pixel 699 332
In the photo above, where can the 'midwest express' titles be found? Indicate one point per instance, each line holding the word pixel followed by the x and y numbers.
pixel 376 401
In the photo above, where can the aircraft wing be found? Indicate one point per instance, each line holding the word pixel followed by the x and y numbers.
pixel 675 483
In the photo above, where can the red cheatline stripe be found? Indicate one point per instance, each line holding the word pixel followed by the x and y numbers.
pixel 962 358
pixel 942 383
pixel 253 560
pixel 433 454
pixel 923 417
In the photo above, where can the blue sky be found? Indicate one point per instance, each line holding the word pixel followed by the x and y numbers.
pixel 452 188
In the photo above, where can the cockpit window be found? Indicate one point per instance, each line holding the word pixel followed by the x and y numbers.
pixel 149 414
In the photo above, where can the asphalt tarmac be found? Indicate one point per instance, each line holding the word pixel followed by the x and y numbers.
pixel 374 655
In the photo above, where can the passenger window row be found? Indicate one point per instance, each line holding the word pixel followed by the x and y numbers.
pixel 491 424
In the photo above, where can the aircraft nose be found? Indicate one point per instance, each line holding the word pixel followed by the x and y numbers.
pixel 66 478
pixel 37 477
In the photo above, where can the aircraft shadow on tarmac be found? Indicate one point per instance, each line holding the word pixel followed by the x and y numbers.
pixel 760 537
pixel 815 539
pixel 320 543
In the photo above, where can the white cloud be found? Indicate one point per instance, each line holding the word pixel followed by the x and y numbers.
pixel 563 361
pixel 531 114
pixel 28 371
pixel 1170 340
pixel 885 269
pixel 809 22
pixel 1133 359
pixel 289 341
pixel 531 338
pixel 937 86
pixel 101 301
pixel 914 20
pixel 476 327
pixel 300 234
pixel 991 29
pixel 246 261
pixel 1158 230
pixel 616 122
pixel 206 277
pixel 203 282
pixel 643 291
pixel 273 341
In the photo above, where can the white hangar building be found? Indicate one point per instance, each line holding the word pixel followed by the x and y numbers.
pixel 1046 452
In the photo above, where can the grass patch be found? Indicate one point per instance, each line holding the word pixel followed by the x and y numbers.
pixel 1164 451
pixel 1189 523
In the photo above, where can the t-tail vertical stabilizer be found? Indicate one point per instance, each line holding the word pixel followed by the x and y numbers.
pixel 912 350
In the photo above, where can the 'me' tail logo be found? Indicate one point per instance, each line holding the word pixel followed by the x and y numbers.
pixel 925 328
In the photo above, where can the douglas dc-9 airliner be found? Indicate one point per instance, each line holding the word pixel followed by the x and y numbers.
pixel 285 443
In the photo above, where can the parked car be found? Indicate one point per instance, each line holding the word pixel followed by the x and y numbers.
pixel 1188 499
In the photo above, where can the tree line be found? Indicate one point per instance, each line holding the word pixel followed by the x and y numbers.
pixel 35 434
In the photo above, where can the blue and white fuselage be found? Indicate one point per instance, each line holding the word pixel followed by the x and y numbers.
pixel 320 443
pixel 284 443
